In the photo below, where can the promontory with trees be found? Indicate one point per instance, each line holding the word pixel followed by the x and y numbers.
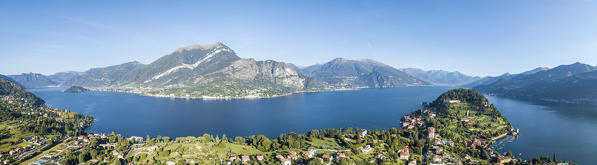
pixel 456 128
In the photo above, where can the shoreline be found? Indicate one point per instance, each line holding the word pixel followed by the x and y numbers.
pixel 226 97
pixel 141 93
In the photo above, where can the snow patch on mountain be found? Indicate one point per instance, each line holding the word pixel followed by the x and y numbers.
pixel 207 58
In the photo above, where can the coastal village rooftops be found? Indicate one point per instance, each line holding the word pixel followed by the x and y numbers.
pixel 232 157
pixel 405 149
pixel 404 155
pixel 380 156
pixel 245 158
pixel 362 132
pixel 293 157
pixel 327 157
pixel 285 161
pixel 366 148
pixel 259 157
pixel 136 139
pixel 279 157
pixel 307 155
pixel 431 129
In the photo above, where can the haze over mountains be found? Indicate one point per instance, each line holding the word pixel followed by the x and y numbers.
pixel 491 79
pixel 196 71
pixel 344 73
pixel 216 71
pixel 573 83
pixel 441 77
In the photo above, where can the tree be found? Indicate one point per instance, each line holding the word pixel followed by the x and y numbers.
pixel 485 155
pixel 509 153
pixel 262 143
pixel 239 140
pixel 224 138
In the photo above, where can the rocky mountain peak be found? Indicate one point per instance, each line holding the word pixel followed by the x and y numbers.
pixel 216 45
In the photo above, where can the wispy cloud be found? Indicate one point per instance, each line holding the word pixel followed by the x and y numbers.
pixel 93 24
pixel 49 48
pixel 45 33
pixel 372 51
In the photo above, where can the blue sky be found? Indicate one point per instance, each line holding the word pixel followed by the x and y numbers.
pixel 477 37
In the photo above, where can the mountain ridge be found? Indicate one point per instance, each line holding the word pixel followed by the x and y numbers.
pixel 345 73
pixel 441 77
pixel 562 84
pixel 191 71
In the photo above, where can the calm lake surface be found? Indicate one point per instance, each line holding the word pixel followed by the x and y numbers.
pixel 569 131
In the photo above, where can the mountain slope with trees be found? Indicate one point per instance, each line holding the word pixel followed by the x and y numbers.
pixel 27 126
pixel 33 80
pixel 565 83
pixel 199 71
pixel 344 73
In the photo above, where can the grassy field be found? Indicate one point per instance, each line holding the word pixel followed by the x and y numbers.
pixel 16 137
pixel 326 143
pixel 201 152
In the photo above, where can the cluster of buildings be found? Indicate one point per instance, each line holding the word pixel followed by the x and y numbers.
pixel 19 150
pixel 514 131
pixel 410 121
pixel 404 154
pixel 290 156
pixel 467 121
pixel 244 159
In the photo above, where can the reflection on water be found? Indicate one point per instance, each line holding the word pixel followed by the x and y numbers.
pixel 569 131
pixel 131 114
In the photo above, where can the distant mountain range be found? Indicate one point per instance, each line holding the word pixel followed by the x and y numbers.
pixel 216 71
pixel 344 73
pixel 198 71
pixel 36 80
pixel 33 80
pixel 574 83
pixel 440 77
pixel 490 79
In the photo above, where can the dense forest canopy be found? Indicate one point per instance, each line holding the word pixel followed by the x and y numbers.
pixel 464 95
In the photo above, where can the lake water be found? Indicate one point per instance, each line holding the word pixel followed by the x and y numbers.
pixel 131 114
pixel 569 131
